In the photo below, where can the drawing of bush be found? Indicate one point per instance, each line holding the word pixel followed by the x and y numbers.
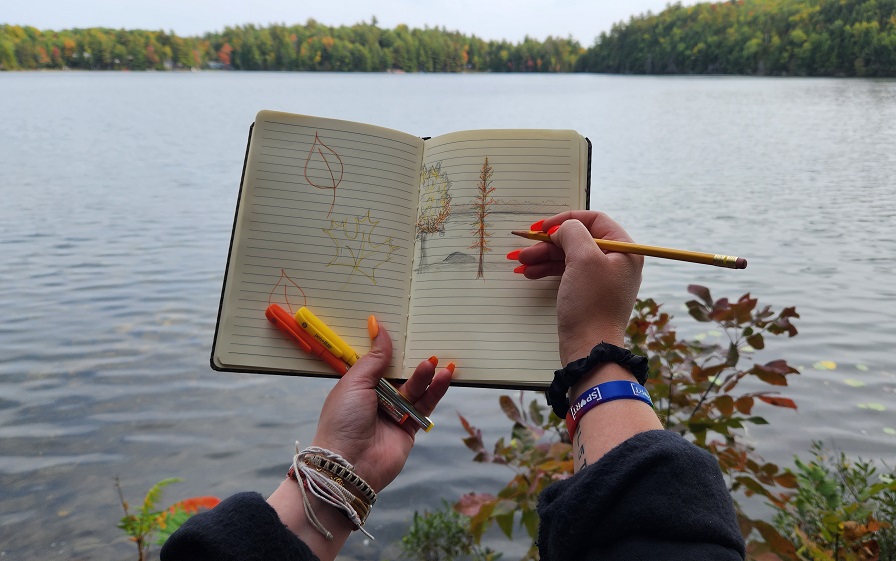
pixel 481 205
pixel 435 206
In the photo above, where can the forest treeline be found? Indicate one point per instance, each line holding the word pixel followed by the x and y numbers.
pixel 363 47
pixel 753 37
pixel 749 37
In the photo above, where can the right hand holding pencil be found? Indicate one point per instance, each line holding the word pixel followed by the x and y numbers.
pixel 597 290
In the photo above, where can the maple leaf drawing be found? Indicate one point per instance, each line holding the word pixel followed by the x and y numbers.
pixel 357 248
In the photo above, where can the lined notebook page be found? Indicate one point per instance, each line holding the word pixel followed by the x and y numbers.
pixel 325 219
pixel 498 327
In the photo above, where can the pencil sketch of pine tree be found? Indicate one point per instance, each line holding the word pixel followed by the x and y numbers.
pixel 435 206
pixel 481 205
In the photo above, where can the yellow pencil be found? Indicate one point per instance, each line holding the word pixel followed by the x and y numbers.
pixel 715 259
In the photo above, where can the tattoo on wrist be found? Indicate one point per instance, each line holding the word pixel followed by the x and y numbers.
pixel 579 449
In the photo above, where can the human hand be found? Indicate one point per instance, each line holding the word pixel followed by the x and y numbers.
pixel 350 425
pixel 597 290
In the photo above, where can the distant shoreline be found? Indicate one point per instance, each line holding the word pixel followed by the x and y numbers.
pixel 742 38
pixel 463 73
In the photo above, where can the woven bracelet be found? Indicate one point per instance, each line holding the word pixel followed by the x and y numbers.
pixel 343 473
pixel 362 507
pixel 602 393
pixel 323 474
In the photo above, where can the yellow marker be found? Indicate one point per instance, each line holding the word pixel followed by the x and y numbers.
pixel 326 336
pixel 396 404
pixel 320 337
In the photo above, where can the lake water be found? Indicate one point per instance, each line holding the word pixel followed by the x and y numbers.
pixel 118 193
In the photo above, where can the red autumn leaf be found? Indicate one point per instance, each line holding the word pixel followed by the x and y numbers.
pixel 700 375
pixel 725 405
pixel 744 307
pixel 510 409
pixel 756 341
pixel 470 503
pixel 744 404
pixel 769 374
pixel 778 543
pixel 787 480
pixel 471 430
pixel 778 401
pixel 195 504
pixel 474 442
pixel 701 292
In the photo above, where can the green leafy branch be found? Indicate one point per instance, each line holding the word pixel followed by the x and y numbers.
pixel 141 525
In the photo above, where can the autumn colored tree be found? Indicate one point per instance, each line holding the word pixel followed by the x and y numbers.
pixel 435 206
pixel 481 203
pixel 363 47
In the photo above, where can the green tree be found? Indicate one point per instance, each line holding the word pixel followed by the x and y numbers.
pixel 777 37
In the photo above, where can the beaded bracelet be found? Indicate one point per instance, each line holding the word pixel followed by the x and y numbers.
pixel 602 393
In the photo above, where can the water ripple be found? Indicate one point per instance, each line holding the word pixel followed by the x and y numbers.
pixel 114 253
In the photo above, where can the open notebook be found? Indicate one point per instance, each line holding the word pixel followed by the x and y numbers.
pixel 351 219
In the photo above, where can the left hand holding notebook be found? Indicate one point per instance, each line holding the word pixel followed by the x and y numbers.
pixel 350 425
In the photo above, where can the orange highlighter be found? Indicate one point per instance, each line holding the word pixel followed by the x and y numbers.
pixel 287 324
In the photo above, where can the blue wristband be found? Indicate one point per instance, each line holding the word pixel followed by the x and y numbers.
pixel 602 393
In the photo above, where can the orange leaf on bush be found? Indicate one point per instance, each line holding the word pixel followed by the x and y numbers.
pixel 470 503
pixel 195 504
pixel 778 401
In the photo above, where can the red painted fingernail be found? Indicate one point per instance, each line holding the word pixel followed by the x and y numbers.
pixel 373 328
pixel 553 229
pixel 537 226
pixel 434 360
pixel 450 366
pixel 521 269
pixel 514 255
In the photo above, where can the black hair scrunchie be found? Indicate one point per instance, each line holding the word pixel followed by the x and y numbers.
pixel 573 372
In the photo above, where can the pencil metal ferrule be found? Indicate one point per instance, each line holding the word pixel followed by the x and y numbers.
pixel 727 261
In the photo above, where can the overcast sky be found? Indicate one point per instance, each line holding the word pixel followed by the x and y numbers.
pixel 488 19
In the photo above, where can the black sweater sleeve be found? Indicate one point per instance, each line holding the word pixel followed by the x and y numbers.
pixel 243 527
pixel 655 496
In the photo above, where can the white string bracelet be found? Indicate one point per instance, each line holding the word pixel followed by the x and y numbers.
pixel 310 469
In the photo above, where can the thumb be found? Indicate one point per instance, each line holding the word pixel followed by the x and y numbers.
pixel 575 240
pixel 372 366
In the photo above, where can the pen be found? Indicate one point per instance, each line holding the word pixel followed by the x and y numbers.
pixel 727 261
pixel 319 330
pixel 291 328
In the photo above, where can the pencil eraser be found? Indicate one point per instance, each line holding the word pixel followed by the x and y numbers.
pixel 740 263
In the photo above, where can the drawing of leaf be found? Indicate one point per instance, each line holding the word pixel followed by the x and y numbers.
pixel 357 247
pixel 324 168
pixel 286 293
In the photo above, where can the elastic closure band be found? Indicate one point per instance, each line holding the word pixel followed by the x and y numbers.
pixel 602 393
